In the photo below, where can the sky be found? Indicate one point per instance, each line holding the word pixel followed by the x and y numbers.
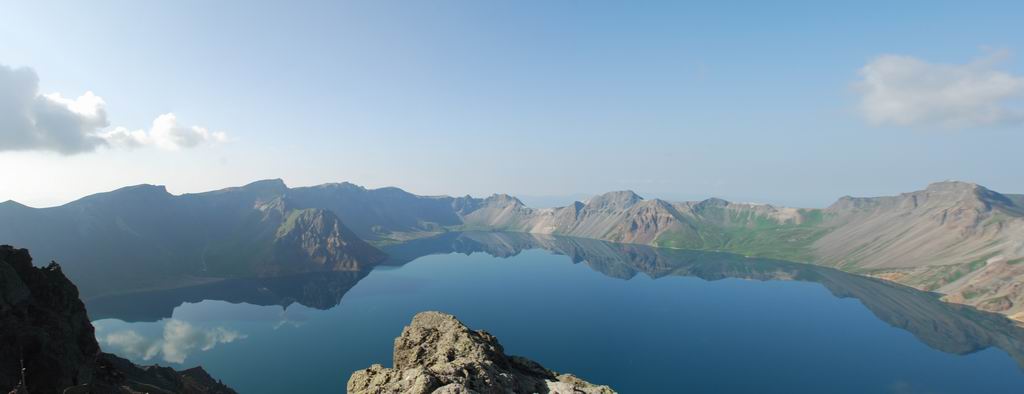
pixel 790 103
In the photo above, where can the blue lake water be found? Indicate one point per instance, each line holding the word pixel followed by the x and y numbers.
pixel 639 319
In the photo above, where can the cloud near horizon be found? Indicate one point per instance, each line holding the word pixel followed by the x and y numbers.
pixel 906 91
pixel 30 120
pixel 165 133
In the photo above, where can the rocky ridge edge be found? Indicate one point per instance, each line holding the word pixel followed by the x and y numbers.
pixel 438 354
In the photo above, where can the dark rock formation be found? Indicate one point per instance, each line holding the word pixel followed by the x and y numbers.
pixel 117 375
pixel 438 354
pixel 49 345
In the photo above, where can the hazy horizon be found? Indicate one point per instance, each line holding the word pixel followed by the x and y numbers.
pixel 790 104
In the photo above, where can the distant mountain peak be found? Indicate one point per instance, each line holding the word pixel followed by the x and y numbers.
pixel 258 191
pixel 134 193
pixel 275 184
pixel 504 199
pixel 947 186
pixel 712 202
pixel 949 192
pixel 339 185
pixel 13 204
pixel 143 187
pixel 967 192
pixel 621 198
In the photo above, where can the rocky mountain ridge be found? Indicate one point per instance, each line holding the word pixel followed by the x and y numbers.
pixel 438 354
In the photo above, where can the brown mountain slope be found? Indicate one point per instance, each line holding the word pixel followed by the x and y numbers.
pixel 947 223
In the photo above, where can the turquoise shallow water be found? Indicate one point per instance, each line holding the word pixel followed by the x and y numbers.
pixel 639 319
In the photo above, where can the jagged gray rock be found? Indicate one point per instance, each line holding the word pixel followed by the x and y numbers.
pixel 438 354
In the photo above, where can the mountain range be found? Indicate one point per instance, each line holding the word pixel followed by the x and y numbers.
pixel 955 238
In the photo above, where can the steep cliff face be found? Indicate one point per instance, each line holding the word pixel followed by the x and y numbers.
pixel 46 333
pixel 438 354
pixel 316 240
pixel 43 324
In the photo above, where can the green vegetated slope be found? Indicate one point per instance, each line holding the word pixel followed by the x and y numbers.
pixel 751 234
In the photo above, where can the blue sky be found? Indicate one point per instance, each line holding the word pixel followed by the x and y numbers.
pixel 753 102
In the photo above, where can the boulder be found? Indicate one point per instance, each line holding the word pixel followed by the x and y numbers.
pixel 437 354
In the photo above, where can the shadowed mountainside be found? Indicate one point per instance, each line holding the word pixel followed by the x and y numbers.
pixel 144 237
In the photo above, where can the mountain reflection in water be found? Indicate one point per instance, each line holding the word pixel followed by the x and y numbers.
pixel 947 327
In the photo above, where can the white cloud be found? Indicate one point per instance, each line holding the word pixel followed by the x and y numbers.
pixel 179 339
pixel 30 120
pixel 164 134
pixel 907 91
pixel 33 121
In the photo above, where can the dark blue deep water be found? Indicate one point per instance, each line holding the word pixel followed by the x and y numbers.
pixel 639 319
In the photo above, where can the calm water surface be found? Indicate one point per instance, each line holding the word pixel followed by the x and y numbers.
pixel 639 319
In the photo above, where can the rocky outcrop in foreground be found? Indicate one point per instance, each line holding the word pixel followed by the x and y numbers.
pixel 438 354
pixel 49 345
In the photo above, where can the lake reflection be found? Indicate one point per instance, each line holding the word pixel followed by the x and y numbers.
pixel 638 318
